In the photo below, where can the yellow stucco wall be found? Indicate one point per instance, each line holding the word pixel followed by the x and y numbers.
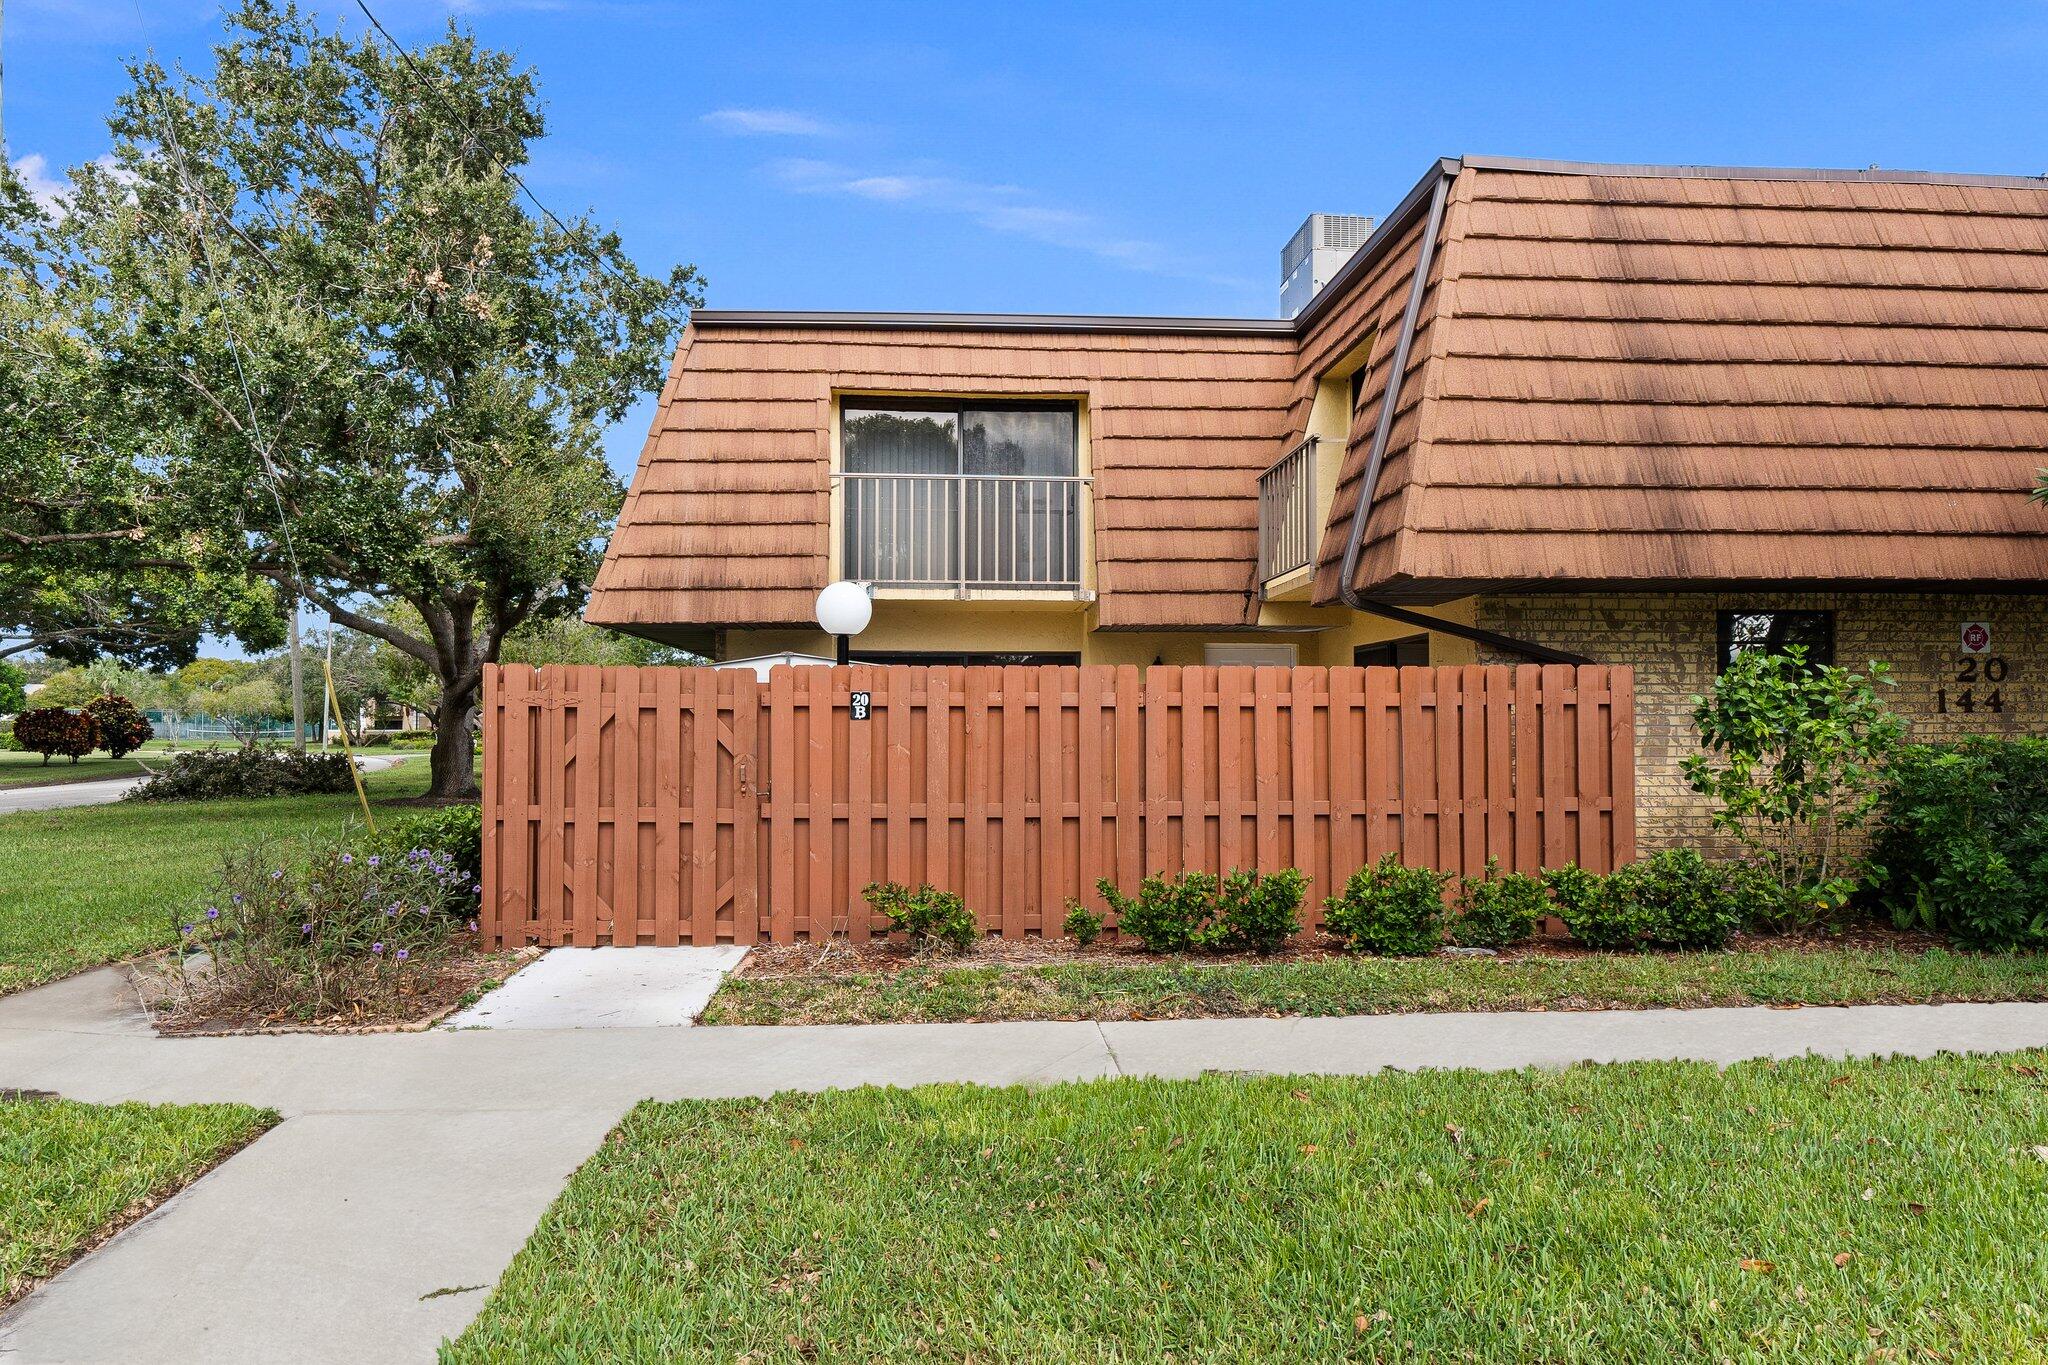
pixel 1037 627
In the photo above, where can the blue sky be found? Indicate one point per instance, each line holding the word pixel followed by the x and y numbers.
pixel 1105 157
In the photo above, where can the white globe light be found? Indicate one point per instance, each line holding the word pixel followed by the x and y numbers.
pixel 844 608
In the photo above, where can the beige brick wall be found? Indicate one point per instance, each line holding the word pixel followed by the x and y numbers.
pixel 1671 640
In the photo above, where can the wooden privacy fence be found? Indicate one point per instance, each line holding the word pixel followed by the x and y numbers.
pixel 699 805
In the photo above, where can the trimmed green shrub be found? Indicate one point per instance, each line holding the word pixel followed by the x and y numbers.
pixel 1168 914
pixel 1082 925
pixel 1671 899
pixel 1256 911
pixel 51 730
pixel 1593 918
pixel 1389 909
pixel 221 774
pixel 1961 844
pixel 1499 909
pixel 122 727
pixel 1685 900
pixel 925 914
pixel 454 832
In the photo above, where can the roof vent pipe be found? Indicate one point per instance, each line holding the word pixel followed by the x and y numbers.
pixel 1368 483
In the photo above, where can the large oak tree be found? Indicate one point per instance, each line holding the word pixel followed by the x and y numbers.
pixel 379 371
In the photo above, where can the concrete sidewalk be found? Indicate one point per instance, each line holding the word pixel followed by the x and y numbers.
pixel 411 1164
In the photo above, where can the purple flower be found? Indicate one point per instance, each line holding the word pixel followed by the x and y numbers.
pixel 347 858
pixel 389 911
pixel 376 947
pixel 275 875
pixel 472 926
pixel 213 912
pixel 305 928
pixel 184 928
pixel 401 954
pixel 374 860
pixel 238 898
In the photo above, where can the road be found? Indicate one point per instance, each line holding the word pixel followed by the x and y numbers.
pixel 57 795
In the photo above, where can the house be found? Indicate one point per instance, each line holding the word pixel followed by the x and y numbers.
pixel 1631 414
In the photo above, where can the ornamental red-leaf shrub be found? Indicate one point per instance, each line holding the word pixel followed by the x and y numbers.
pixel 122 727
pixel 51 730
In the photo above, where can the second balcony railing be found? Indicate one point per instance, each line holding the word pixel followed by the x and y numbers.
pixel 963 531
pixel 1287 512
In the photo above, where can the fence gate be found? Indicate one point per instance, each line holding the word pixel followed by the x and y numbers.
pixel 699 805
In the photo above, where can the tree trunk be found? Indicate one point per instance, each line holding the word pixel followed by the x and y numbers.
pixel 454 752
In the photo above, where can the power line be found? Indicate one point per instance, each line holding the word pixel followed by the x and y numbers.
pixel 425 82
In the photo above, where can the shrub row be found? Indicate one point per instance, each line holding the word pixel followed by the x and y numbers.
pixel 1673 899
pixel 214 774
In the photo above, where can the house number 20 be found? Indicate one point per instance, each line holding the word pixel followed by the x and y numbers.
pixel 1988 671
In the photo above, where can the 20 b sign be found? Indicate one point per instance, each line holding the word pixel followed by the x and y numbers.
pixel 857 705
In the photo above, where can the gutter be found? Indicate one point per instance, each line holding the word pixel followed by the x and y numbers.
pixel 1390 397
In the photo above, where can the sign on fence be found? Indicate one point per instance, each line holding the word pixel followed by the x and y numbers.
pixel 678 805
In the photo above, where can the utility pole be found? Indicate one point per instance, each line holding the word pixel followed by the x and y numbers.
pixel 298 686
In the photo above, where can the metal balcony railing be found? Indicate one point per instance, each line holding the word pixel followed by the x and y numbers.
pixel 963 531
pixel 1287 512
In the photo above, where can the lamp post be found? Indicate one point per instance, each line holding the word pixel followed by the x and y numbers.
pixel 844 610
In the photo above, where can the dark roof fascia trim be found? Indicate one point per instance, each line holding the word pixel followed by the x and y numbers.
pixel 997 322
pixel 1394 225
pixel 1873 175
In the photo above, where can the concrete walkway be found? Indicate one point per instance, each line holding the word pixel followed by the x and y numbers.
pixel 411 1164
pixel 57 795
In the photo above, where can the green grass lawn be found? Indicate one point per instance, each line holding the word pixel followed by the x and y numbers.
pixel 1800 1211
pixel 1373 985
pixel 28 770
pixel 69 1172
pixel 95 884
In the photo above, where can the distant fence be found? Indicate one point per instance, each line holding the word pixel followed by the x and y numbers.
pixel 204 727
pixel 675 805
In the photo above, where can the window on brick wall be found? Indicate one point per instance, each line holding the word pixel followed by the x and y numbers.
pixel 1773 632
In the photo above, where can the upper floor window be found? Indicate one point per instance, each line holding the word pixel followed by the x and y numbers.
pixel 967 494
pixel 1773 632
pixel 915 436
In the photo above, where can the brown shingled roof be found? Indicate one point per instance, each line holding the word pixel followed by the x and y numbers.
pixel 727 521
pixel 1620 376
pixel 1702 377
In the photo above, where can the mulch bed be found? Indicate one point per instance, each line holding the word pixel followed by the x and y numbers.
pixel 429 999
pixel 885 957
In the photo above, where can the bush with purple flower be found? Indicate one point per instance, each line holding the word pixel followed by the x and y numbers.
pixel 329 933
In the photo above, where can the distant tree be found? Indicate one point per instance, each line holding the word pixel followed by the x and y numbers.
pixel 244 705
pixel 13 688
pixel 376 375
pixel 51 730
pixel 75 687
pixel 120 728
pixel 572 640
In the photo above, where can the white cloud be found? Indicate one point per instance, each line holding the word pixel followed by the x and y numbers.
pixel 768 122
pixel 998 207
pixel 48 190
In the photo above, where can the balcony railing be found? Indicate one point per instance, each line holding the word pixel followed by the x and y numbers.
pixel 964 531
pixel 1287 512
